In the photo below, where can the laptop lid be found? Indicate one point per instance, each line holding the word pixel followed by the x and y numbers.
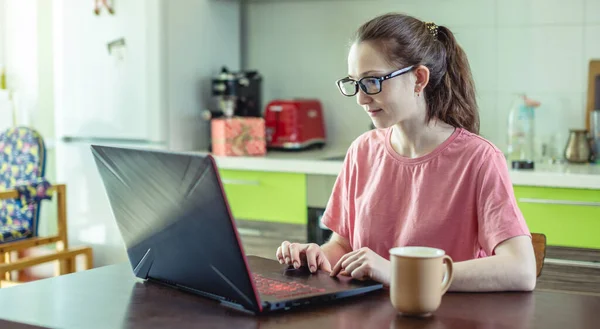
pixel 173 215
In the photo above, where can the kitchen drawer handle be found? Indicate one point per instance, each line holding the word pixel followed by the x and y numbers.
pixel 240 182
pixel 563 202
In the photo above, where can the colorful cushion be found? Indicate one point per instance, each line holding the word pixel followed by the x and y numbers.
pixel 22 166
pixel 14 233
pixel 16 223
pixel 34 191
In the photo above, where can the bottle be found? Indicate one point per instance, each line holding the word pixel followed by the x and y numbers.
pixel 3 79
pixel 595 121
pixel 595 134
pixel 521 132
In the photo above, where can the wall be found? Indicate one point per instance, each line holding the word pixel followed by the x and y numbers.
pixel 5 108
pixel 199 38
pixel 2 33
pixel 26 52
pixel 20 19
pixel 540 47
pixel 44 118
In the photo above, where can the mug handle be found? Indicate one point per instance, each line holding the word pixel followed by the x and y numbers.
pixel 448 273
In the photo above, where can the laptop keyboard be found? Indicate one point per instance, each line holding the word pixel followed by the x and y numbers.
pixel 282 289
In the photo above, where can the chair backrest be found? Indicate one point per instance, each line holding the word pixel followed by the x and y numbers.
pixel 22 159
pixel 539 248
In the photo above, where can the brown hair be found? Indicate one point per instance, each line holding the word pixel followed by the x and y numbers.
pixel 405 40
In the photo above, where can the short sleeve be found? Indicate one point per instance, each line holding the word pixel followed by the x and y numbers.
pixel 499 217
pixel 337 215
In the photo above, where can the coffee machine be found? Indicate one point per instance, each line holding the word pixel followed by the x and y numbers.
pixel 234 94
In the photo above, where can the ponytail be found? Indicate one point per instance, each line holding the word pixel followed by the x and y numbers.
pixel 453 100
pixel 405 40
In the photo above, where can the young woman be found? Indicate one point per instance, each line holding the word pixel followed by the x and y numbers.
pixel 424 177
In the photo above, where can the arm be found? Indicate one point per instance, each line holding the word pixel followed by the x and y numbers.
pixel 335 248
pixel 511 268
pixel 502 234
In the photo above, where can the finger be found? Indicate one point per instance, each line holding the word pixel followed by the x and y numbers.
pixel 295 254
pixel 311 252
pixel 338 266
pixel 351 259
pixel 361 272
pixel 352 266
pixel 279 255
pixel 323 261
pixel 285 250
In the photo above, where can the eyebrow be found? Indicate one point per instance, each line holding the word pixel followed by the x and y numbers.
pixel 368 73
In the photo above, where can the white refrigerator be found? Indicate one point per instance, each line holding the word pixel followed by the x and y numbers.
pixel 137 78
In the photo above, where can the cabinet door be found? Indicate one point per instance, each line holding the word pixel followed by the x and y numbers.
pixel 266 196
pixel 568 217
pixel 101 94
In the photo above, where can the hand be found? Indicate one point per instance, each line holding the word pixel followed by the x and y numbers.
pixel 364 264
pixel 303 254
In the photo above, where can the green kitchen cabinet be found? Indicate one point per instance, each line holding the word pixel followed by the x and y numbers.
pixel 568 217
pixel 266 196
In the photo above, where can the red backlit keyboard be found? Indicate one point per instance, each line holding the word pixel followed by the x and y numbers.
pixel 282 289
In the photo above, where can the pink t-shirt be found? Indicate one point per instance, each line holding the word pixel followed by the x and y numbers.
pixel 458 198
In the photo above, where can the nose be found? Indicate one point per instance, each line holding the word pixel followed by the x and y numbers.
pixel 362 98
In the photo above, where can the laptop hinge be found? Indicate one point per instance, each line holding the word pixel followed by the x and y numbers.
pixel 220 299
pixel 142 268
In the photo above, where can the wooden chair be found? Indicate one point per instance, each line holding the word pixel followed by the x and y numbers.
pixel 22 190
pixel 539 248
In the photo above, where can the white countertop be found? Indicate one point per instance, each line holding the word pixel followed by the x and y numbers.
pixel 559 175
pixel 308 162
pixel 315 162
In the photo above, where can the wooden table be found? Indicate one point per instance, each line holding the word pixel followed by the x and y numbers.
pixel 110 297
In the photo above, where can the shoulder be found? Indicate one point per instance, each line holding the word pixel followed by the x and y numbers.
pixel 479 156
pixel 472 153
pixel 366 148
pixel 476 146
pixel 369 142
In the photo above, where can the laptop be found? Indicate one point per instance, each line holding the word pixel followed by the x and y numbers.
pixel 177 226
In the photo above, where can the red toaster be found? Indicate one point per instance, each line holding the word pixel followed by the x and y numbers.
pixel 295 124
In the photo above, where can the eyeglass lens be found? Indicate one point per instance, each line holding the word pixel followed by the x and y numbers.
pixel 368 85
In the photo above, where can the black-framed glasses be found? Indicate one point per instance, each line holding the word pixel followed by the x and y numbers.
pixel 369 85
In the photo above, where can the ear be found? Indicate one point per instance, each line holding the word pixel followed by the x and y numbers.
pixel 422 78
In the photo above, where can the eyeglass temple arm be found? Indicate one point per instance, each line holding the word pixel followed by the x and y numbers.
pixel 393 74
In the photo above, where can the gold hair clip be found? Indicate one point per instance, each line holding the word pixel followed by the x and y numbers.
pixel 432 28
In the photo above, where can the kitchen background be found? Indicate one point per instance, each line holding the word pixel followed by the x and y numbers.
pixel 539 47
pixel 73 89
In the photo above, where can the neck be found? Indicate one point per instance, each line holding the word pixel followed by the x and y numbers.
pixel 414 139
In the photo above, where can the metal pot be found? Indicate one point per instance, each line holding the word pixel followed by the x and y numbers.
pixel 578 146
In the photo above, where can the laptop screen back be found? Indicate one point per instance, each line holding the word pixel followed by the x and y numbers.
pixel 174 219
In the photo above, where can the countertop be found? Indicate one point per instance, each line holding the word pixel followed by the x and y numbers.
pixel 328 161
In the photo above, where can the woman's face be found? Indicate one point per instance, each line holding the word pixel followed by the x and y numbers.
pixel 397 100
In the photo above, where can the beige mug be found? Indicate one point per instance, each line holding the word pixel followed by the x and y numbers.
pixel 419 279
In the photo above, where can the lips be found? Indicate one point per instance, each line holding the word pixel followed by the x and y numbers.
pixel 374 111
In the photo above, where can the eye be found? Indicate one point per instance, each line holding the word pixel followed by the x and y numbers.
pixel 371 84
